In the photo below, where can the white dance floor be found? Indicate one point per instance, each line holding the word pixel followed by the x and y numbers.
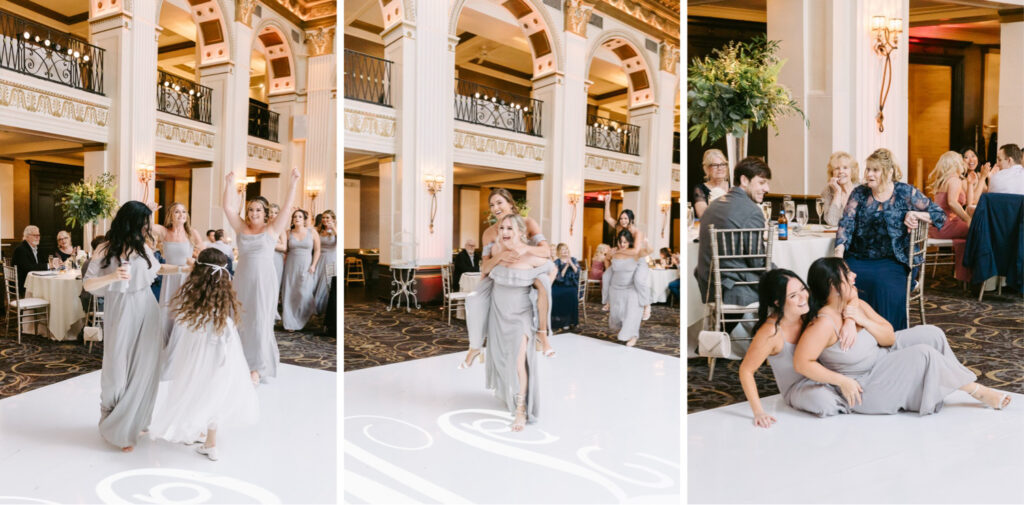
pixel 52 452
pixel 963 454
pixel 608 431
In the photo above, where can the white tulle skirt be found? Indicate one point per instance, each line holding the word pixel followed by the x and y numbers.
pixel 205 384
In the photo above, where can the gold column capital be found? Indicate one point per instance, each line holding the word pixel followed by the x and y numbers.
pixel 669 57
pixel 577 15
pixel 244 10
pixel 320 41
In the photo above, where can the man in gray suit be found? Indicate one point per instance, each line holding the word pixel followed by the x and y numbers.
pixel 739 208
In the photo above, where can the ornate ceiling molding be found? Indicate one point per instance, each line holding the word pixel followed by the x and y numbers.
pixel 659 18
pixel 306 13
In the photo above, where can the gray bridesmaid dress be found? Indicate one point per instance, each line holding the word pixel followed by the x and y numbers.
pixel 915 374
pixel 513 314
pixel 328 256
pixel 478 303
pixel 297 303
pixel 625 307
pixel 175 253
pixel 802 393
pixel 131 349
pixel 257 292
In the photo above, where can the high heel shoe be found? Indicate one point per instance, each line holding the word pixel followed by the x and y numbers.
pixel 1004 399
pixel 549 353
pixel 520 420
pixel 209 452
pixel 471 358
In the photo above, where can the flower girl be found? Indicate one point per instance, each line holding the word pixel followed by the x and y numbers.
pixel 205 381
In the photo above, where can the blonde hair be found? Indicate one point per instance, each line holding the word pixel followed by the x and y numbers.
pixel 705 161
pixel 560 246
pixel 327 212
pixel 602 248
pixel 169 219
pixel 519 223
pixel 884 159
pixel 262 203
pixel 950 164
pixel 843 155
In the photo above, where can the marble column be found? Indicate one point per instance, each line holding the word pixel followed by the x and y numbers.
pixel 320 169
pixel 1011 77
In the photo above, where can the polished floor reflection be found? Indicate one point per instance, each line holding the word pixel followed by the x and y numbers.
pixel 424 432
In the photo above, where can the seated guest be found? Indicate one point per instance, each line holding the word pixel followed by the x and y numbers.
pixel 874 235
pixel 667 259
pixel 597 262
pixel 952 193
pixel 739 208
pixel 220 243
pixel 673 287
pixel 468 260
pixel 843 176
pixel 27 257
pixel 716 175
pixel 971 173
pixel 211 236
pixel 1008 175
pixel 64 248
pixel 564 291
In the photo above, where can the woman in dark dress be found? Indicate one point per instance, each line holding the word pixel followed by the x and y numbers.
pixel 565 311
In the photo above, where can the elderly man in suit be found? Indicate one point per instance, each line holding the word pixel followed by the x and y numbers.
pixel 27 256
pixel 468 260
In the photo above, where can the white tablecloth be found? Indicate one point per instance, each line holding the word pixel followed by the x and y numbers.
pixel 467 283
pixel 660 280
pixel 62 291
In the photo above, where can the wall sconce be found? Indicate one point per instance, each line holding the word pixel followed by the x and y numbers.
pixel 313 190
pixel 886 32
pixel 665 206
pixel 434 185
pixel 574 199
pixel 146 173
pixel 241 182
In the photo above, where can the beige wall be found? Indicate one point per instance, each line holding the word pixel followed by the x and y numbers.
pixel 353 218
pixel 21 197
pixel 991 107
pixel 369 212
pixel 929 119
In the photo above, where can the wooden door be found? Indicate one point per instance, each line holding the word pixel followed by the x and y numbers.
pixel 44 179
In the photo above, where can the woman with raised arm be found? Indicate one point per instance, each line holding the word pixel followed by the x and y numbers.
pixel 625 308
pixel 257 291
pixel 327 232
pixel 639 249
pixel 297 303
pixel 883 372
pixel 502 204
pixel 179 243
pixel 513 317
pixel 781 316
pixel 121 271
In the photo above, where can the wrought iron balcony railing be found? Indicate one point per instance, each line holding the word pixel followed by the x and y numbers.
pixel 367 78
pixel 262 121
pixel 604 133
pixel 183 98
pixel 33 49
pixel 483 105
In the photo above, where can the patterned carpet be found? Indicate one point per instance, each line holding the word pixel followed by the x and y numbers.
pixel 374 336
pixel 987 337
pixel 39 362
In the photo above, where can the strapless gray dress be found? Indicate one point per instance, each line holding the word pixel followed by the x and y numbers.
pixel 802 393
pixel 479 301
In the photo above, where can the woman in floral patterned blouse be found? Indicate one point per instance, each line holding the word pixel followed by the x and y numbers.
pixel 874 235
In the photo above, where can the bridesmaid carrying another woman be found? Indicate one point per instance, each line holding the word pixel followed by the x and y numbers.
pixel 180 243
pixel 951 194
pixel 328 235
pixel 257 291
pixel 843 176
pixel 297 304
pixel 639 249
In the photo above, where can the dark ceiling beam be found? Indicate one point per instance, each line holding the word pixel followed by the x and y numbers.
pixel 170 48
pixel 50 13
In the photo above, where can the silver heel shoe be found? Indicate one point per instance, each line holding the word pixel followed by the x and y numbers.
pixel 520 420
pixel 469 362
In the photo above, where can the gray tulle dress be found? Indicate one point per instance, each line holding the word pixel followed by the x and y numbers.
pixel 801 393
pixel 328 256
pixel 511 315
pixel 257 292
pixel 915 374
pixel 297 304
pixel 626 309
pixel 131 349
pixel 175 253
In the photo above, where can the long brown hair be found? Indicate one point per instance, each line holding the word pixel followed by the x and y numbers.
pixel 507 195
pixel 169 221
pixel 207 295
pixel 327 212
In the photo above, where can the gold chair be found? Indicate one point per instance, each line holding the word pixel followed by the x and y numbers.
pixel 452 300
pixel 918 249
pixel 581 293
pixel 24 310
pixel 354 271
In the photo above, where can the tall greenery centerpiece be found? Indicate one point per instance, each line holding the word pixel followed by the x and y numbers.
pixel 88 201
pixel 735 91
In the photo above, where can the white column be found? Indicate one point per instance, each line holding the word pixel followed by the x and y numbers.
pixel 469 215
pixel 6 200
pixel 1011 81
pixel 390 215
pixel 423 91
pixel 130 75
pixel 535 199
pixel 660 179
pixel 656 160
pixel 272 188
pixel 321 145
pixel 94 164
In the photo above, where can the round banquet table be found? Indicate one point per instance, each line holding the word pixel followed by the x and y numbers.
pixel 62 291
pixel 795 254
pixel 467 283
pixel 660 279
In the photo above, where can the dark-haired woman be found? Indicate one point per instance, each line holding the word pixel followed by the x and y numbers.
pixel 783 303
pixel 327 233
pixel 625 309
pixel 639 249
pixel 977 178
pixel 477 305
pixel 297 303
pixel 884 371
pixel 121 271
pixel 257 290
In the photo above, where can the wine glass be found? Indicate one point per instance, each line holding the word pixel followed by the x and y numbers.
pixel 790 207
pixel 802 215
pixel 819 205
pixel 689 215
pixel 766 209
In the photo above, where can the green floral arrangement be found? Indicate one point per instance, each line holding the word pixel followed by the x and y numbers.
pixel 524 211
pixel 85 202
pixel 737 91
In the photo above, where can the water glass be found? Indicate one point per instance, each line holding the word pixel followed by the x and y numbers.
pixel 766 209
pixel 802 215
pixel 690 216
pixel 790 207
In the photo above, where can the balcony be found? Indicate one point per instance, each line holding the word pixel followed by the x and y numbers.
pixel 367 78
pixel 483 105
pixel 262 121
pixel 604 133
pixel 184 98
pixel 33 49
